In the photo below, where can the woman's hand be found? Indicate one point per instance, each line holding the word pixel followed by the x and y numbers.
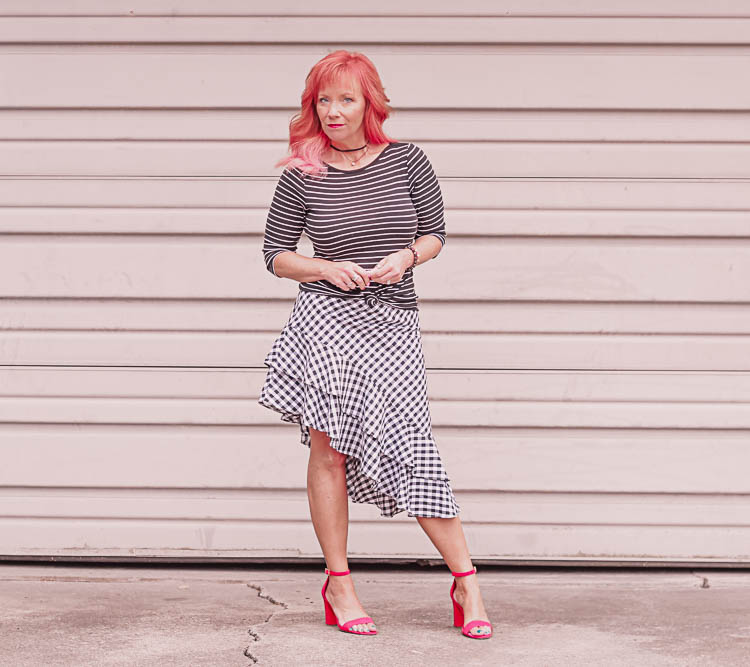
pixel 391 268
pixel 346 275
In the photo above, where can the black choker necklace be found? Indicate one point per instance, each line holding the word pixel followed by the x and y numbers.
pixel 347 150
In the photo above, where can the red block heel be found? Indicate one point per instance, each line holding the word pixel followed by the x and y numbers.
pixel 458 612
pixel 331 615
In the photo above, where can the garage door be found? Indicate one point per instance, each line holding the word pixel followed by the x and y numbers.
pixel 586 328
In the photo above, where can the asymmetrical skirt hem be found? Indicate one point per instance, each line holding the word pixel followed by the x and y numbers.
pixel 381 425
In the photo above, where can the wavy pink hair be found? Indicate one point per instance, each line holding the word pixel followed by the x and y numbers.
pixel 307 140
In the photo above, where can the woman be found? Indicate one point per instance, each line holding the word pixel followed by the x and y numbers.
pixel 348 365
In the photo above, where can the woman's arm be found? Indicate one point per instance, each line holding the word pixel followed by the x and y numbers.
pixel 427 247
pixel 285 222
pixel 299 267
pixel 428 202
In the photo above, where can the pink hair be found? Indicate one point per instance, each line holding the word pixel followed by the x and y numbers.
pixel 307 140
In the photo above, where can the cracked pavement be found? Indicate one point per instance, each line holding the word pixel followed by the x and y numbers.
pixel 86 615
pixel 242 615
pixel 256 636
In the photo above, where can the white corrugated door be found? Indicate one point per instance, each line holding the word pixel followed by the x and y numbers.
pixel 585 328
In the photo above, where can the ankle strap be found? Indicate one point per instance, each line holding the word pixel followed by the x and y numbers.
pixel 473 570
pixel 337 574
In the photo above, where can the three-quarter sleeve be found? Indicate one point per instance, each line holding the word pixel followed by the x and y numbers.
pixel 425 194
pixel 286 217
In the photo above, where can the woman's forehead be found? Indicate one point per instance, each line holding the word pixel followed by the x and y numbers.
pixel 340 85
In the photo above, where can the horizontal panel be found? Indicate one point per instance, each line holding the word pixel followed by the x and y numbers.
pixel 450 160
pixel 400 30
pixel 419 125
pixel 468 193
pixel 256 505
pixel 542 8
pixel 686 270
pixel 243 315
pixel 542 460
pixel 209 79
pixel 510 413
pixel 443 385
pixel 629 270
pixel 192 539
pixel 463 222
pixel 676 352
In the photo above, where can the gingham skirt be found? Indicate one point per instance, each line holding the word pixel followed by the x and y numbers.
pixel 354 368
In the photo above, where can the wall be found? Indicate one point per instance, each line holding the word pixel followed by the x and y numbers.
pixel 585 328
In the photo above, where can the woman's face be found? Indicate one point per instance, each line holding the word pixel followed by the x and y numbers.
pixel 342 106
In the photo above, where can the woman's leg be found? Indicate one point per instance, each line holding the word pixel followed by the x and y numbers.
pixel 448 537
pixel 329 511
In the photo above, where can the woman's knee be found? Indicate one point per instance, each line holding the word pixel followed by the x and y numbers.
pixel 322 452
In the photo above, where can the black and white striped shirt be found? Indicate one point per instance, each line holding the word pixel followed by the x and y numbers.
pixel 359 215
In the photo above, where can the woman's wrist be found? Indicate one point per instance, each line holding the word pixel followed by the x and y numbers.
pixel 413 255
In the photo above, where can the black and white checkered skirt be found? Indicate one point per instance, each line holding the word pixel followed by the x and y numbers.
pixel 354 368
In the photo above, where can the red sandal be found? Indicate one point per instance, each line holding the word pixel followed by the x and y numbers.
pixel 458 612
pixel 331 615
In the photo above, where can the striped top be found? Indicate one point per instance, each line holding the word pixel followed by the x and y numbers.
pixel 359 215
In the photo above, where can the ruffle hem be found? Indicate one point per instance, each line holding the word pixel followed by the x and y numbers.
pixel 315 386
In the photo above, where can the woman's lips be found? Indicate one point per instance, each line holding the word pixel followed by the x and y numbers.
pixel 335 125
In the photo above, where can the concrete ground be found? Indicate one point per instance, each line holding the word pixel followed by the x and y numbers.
pixel 237 616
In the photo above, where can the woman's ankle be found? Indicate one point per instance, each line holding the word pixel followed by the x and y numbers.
pixel 467 583
pixel 341 583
